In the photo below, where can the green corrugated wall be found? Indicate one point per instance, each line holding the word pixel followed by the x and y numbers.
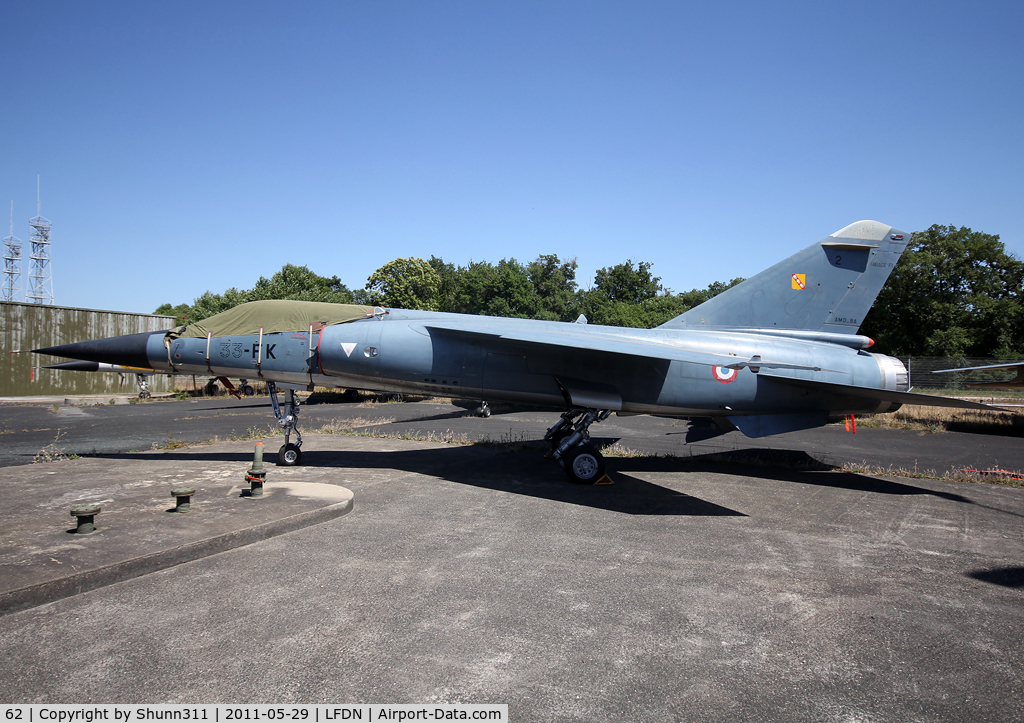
pixel 33 326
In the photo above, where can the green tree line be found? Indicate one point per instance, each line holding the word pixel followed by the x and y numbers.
pixel 627 294
pixel 955 292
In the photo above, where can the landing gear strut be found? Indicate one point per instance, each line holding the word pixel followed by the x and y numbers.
pixel 143 380
pixel 570 444
pixel 290 455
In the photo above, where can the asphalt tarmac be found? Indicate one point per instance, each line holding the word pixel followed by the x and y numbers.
pixel 688 590
pixel 29 431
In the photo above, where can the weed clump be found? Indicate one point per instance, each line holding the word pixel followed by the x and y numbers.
pixel 53 452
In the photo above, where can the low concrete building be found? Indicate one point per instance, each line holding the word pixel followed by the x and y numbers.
pixel 33 326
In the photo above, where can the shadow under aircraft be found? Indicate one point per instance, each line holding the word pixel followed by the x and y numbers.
pixel 491 467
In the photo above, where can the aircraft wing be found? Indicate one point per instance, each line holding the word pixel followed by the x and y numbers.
pixel 1015 383
pixel 883 395
pixel 1013 365
pixel 610 343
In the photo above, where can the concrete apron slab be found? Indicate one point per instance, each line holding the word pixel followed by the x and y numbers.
pixel 42 558
pixel 685 591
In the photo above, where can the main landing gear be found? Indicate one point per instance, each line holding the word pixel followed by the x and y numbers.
pixel 287 415
pixel 570 445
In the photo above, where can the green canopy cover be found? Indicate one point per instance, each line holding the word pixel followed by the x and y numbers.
pixel 273 315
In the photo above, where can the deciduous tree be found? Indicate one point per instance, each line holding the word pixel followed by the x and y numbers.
pixel 954 292
pixel 405 284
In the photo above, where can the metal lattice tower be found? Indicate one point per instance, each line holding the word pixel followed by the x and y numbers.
pixel 41 283
pixel 12 264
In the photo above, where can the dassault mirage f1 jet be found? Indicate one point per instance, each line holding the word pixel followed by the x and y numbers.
pixel 777 353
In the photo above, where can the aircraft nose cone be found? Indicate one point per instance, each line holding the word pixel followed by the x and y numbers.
pixel 128 350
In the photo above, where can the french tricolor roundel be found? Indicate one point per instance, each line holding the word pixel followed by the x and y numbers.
pixel 724 374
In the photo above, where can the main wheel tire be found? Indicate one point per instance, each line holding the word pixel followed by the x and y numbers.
pixel 289 456
pixel 350 395
pixel 248 391
pixel 583 465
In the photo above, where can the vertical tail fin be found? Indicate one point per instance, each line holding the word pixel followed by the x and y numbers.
pixel 829 286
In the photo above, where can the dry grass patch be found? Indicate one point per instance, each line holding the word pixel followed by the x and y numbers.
pixel 620 450
pixel 341 426
pixel 944 419
pixel 445 437
pixel 994 477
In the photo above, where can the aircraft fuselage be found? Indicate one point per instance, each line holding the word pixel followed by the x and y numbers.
pixel 405 352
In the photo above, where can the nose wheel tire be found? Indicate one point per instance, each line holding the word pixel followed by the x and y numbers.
pixel 289 456
pixel 583 465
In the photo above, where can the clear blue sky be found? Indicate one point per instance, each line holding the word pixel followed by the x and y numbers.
pixel 193 146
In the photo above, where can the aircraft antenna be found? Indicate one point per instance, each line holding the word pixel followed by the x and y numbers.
pixel 12 264
pixel 40 278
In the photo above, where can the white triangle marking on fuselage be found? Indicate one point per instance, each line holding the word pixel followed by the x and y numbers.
pixel 349 347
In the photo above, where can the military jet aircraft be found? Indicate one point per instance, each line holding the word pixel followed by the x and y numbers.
pixel 777 353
